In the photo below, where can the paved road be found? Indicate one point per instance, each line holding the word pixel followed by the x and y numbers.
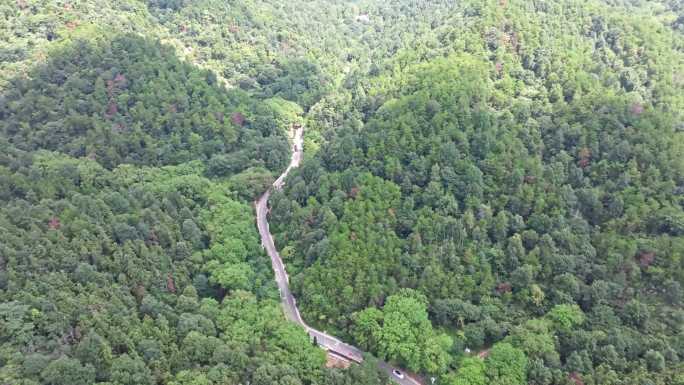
pixel 326 341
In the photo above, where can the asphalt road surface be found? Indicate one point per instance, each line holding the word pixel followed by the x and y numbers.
pixel 289 302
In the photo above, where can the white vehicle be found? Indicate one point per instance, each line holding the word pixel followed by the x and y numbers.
pixel 397 373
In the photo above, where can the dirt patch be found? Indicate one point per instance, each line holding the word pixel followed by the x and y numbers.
pixel 335 361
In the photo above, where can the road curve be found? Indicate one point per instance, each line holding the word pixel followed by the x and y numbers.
pixel 289 302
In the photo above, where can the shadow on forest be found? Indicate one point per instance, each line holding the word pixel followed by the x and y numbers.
pixel 130 99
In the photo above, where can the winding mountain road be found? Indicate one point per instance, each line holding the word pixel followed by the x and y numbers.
pixel 289 302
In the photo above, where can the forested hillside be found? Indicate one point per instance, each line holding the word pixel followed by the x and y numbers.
pixel 128 252
pixel 520 168
pixel 493 191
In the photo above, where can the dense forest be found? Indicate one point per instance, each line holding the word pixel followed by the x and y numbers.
pixel 520 170
pixel 493 192
pixel 129 253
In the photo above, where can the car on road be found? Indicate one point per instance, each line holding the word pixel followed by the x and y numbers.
pixel 397 373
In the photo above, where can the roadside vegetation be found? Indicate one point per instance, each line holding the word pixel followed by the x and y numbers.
pixel 500 177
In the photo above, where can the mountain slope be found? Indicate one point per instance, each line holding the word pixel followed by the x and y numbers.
pixel 533 170
pixel 501 176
